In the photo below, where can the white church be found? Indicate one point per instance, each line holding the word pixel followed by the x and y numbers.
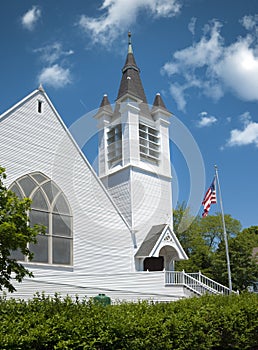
pixel 110 233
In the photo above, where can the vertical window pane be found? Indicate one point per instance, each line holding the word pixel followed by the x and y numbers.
pixel 40 218
pixel 61 225
pixel 40 249
pixel 61 250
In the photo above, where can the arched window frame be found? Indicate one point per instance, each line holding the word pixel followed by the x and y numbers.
pixel 48 250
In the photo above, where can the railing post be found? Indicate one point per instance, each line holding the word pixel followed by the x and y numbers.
pixel 183 276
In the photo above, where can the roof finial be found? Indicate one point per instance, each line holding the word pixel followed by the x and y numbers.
pixel 130 48
pixel 40 88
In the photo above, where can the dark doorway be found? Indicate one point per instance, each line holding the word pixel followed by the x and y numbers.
pixel 154 264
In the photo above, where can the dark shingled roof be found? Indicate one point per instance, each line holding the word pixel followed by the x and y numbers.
pixel 150 240
pixel 158 102
pixel 131 81
pixel 105 104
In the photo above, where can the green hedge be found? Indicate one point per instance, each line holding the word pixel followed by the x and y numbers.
pixel 208 322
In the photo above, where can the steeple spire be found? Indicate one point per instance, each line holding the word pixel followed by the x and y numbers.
pixel 130 48
pixel 131 82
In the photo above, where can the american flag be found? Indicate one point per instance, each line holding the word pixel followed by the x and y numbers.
pixel 209 198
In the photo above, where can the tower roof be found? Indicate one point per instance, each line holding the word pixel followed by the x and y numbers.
pixel 105 104
pixel 158 103
pixel 131 81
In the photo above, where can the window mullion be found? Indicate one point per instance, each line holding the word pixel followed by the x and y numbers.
pixel 50 238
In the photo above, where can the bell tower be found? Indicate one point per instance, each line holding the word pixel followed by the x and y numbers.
pixel 134 154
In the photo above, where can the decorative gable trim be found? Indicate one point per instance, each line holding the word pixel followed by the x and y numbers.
pixel 157 238
pixel 168 237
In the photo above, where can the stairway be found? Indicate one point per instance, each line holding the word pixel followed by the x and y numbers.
pixel 196 282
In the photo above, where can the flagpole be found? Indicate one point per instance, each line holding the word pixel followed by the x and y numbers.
pixel 224 230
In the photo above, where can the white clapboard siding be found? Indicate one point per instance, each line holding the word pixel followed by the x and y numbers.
pixel 103 243
pixel 151 198
pixel 119 287
pixel 32 141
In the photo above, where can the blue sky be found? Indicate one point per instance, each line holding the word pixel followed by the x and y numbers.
pixel 201 55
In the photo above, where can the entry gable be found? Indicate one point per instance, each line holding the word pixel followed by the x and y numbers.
pixel 158 237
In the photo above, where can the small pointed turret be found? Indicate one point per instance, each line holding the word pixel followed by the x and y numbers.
pixel 158 102
pixel 105 104
pixel 105 108
pixel 131 82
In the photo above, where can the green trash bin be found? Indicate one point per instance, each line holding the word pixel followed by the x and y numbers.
pixel 102 299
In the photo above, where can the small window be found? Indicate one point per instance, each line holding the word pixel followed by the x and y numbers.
pixel 114 141
pixel 149 143
pixel 40 106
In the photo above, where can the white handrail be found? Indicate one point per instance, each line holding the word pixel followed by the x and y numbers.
pixel 211 283
pixel 197 282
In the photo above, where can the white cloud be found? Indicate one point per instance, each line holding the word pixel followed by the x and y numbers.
pixel 249 22
pixel 216 67
pixel 55 76
pixel 177 92
pixel 245 118
pixel 30 18
pixel 206 120
pixel 247 136
pixel 119 15
pixel 52 53
pixel 203 53
pixel 191 25
pixel 238 70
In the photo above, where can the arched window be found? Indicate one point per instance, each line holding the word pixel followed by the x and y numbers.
pixel 51 209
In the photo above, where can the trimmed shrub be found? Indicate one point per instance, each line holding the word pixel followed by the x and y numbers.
pixel 208 322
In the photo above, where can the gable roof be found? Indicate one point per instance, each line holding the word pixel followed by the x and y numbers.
pixel 150 240
pixel 41 94
pixel 158 237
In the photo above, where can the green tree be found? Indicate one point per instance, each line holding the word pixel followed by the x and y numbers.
pixel 203 241
pixel 187 229
pixel 252 232
pixel 211 228
pixel 244 267
pixel 15 234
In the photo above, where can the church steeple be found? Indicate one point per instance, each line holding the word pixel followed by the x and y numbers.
pixel 131 82
pixel 134 155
